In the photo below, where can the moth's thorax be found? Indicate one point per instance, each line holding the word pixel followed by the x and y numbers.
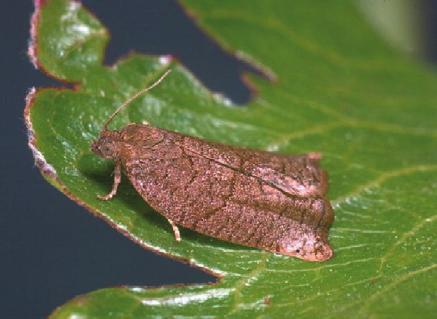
pixel 141 135
pixel 138 141
pixel 107 145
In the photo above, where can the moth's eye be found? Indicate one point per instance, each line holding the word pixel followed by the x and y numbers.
pixel 105 149
pixel 297 251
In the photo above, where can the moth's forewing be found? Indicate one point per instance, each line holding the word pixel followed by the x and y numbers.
pixel 247 197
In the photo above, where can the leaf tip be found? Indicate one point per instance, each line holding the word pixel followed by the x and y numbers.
pixel 166 59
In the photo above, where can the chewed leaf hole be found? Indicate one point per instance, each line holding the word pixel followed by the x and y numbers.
pixel 192 47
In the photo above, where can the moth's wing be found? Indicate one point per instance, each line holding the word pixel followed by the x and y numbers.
pixel 298 175
pixel 223 202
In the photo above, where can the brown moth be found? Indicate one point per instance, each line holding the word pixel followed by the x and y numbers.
pixel 248 197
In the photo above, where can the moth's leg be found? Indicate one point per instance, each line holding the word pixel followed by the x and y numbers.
pixel 117 179
pixel 177 234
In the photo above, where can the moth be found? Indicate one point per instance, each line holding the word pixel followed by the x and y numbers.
pixel 253 198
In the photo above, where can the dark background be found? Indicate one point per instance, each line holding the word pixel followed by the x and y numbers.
pixel 51 249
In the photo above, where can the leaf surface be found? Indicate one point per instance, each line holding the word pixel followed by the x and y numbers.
pixel 339 90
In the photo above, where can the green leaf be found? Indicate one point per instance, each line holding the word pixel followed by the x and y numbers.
pixel 340 90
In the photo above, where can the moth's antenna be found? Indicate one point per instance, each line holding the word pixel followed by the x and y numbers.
pixel 133 97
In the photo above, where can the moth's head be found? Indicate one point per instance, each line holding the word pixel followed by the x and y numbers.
pixel 107 145
pixel 308 248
